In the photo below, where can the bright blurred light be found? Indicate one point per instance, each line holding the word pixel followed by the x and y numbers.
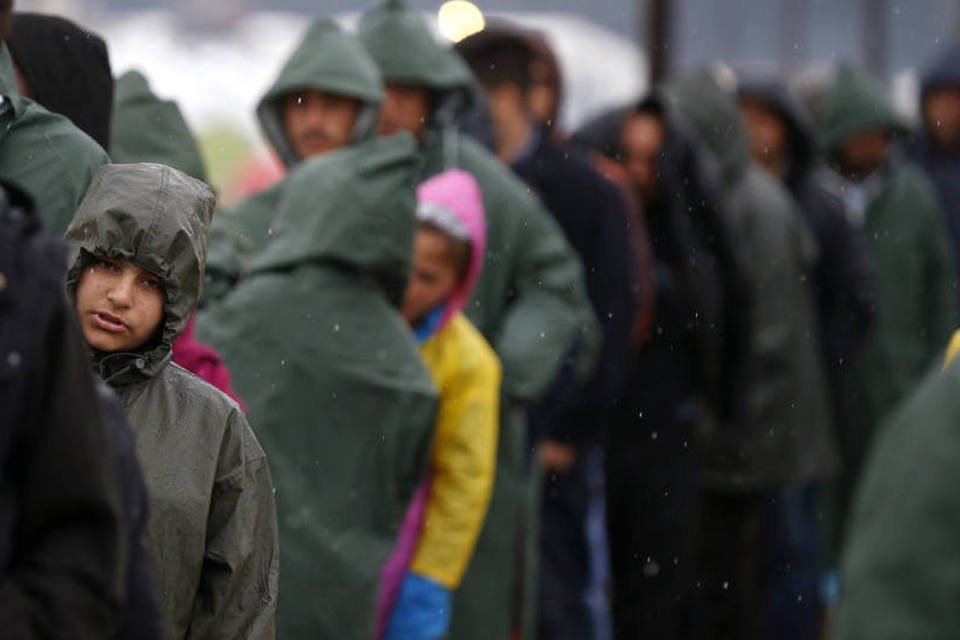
pixel 458 19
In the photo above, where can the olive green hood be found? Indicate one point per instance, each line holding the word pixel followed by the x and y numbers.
pixel 855 104
pixel 402 45
pixel 713 110
pixel 364 222
pixel 146 128
pixel 329 60
pixel 157 218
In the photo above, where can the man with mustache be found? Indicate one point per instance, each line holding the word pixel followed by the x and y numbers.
pixel 325 97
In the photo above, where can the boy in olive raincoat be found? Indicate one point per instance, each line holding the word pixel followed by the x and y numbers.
pixel 331 374
pixel 445 518
pixel 137 248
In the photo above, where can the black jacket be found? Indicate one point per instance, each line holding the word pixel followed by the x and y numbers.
pixel 595 220
pixel 844 281
pixel 694 240
pixel 66 69
pixel 61 527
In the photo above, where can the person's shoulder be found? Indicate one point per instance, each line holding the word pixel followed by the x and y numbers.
pixel 207 398
pixel 474 353
pixel 67 139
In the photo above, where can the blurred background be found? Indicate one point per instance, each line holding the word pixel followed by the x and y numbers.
pixel 216 57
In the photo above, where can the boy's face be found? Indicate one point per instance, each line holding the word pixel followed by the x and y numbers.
pixel 406 107
pixel 434 276
pixel 120 305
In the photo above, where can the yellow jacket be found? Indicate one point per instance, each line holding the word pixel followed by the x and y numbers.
pixel 467 375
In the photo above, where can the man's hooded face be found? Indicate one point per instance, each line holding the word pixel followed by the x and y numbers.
pixel 405 107
pixel 317 122
pixel 863 153
pixel 768 133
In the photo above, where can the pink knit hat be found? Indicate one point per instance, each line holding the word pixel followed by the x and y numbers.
pixel 452 202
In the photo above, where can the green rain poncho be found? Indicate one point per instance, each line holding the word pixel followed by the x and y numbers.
pixel 43 153
pixel 344 404
pixel 326 60
pixel 530 303
pixel 907 243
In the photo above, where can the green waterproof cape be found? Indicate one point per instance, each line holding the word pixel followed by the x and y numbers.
pixel 344 405
pixel 900 573
pixel 43 153
pixel 329 60
pixel 148 129
pixel 530 303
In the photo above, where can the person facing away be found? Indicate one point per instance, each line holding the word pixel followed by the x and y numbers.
pixel 62 542
pixel 64 68
pixel 899 573
pixel 530 301
pixel 782 435
pixel 137 247
pixel 42 152
pixel 325 97
pixel 571 419
pixel 935 145
pixel 895 209
pixel 443 522
pixel 332 377
pixel 146 128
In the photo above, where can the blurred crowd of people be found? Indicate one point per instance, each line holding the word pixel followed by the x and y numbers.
pixel 391 394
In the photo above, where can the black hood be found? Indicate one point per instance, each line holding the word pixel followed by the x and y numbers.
pixel 66 69
pixel 775 96
pixel 944 71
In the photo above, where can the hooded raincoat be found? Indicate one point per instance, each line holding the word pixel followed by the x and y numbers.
pixel 329 369
pixel 43 153
pixel 327 60
pixel 444 521
pixel 212 531
pixel 900 571
pixel 530 301
pixel 907 244
pixel 783 434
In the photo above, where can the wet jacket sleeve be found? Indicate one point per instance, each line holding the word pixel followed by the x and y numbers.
pixel 65 576
pixel 549 310
pixel 463 456
pixel 237 596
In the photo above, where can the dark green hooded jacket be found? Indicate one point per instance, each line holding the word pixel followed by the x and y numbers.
pixel 43 153
pixel 212 532
pixel 907 244
pixel 530 301
pixel 783 435
pixel 900 572
pixel 333 378
pixel 146 128
pixel 329 60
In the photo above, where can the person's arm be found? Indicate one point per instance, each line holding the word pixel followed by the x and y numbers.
pixel 65 578
pixel 237 596
pixel 549 307
pixel 462 465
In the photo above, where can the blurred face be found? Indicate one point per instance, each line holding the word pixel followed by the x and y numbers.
pixel 405 107
pixel 941 115
pixel 769 137
pixel 435 275
pixel 863 153
pixel 318 122
pixel 641 141
pixel 120 305
pixel 542 97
